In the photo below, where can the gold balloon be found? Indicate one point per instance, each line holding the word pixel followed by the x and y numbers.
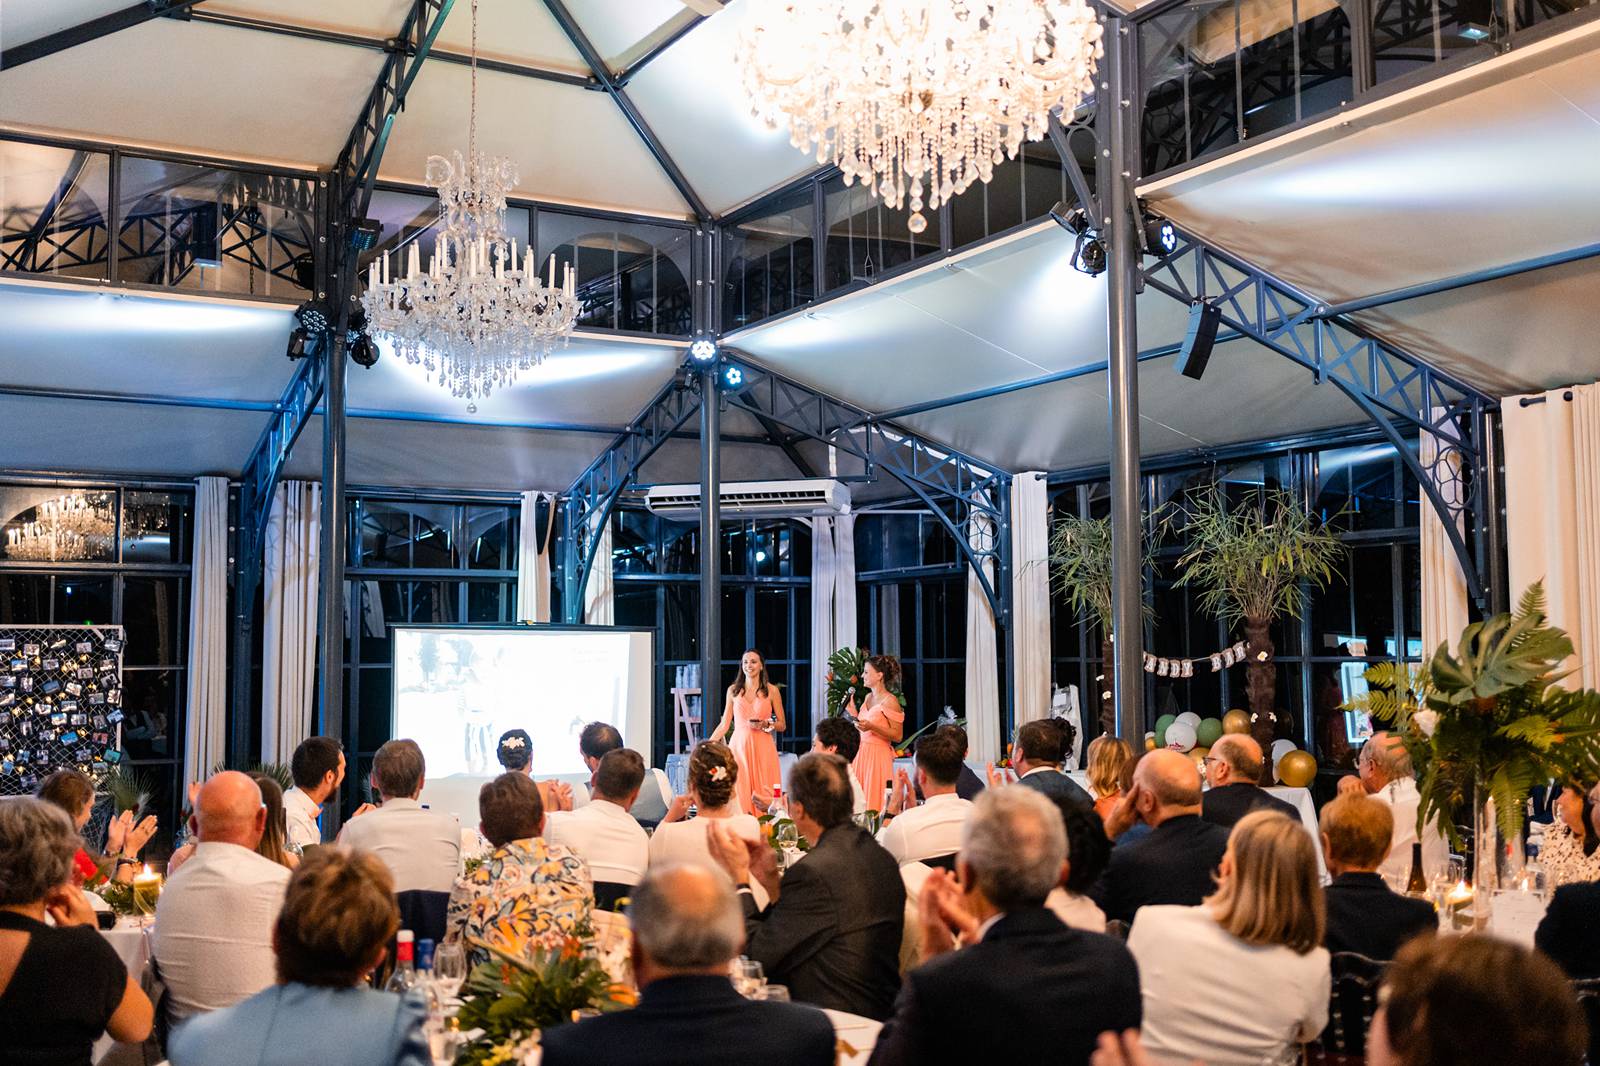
pixel 1297 769
pixel 1149 742
pixel 1236 721
pixel 1198 754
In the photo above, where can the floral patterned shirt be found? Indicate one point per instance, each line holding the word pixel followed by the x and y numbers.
pixel 1564 860
pixel 525 895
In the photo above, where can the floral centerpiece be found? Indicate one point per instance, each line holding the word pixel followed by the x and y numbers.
pixel 510 999
pixel 1488 723
pixel 124 901
pixel 847 680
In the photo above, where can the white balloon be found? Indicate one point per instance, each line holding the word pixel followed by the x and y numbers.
pixel 1190 717
pixel 1280 748
pixel 1180 736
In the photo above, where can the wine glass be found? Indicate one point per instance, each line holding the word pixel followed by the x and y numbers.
pixel 788 837
pixel 748 977
pixel 450 969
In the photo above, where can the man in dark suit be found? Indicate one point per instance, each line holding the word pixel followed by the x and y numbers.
pixel 1364 915
pixel 1233 769
pixel 1570 931
pixel 1176 861
pixel 1037 754
pixel 832 930
pixel 969 784
pixel 687 928
pixel 1025 981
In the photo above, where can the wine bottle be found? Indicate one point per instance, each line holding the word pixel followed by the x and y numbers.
pixel 405 969
pixel 1417 883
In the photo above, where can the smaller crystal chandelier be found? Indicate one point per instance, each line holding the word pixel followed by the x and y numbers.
pixel 473 314
pixel 65 527
pixel 917 98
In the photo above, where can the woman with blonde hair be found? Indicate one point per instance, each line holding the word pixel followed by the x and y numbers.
pixel 1241 979
pixel 1110 772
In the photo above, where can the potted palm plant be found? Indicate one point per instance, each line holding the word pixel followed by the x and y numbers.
pixel 1252 564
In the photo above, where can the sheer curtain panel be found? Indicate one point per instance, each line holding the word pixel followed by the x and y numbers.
pixel 533 557
pixel 983 669
pixel 208 631
pixel 599 595
pixel 1030 594
pixel 833 599
pixel 289 618
pixel 1444 587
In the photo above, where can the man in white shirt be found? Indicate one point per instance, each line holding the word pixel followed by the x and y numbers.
pixel 932 830
pixel 839 736
pixel 213 933
pixel 318 770
pixel 422 848
pixel 602 833
pixel 1386 775
pixel 650 806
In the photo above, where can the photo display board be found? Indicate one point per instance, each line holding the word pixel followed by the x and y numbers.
pixel 60 703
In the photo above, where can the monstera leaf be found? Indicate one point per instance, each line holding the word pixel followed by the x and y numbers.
pixel 1500 654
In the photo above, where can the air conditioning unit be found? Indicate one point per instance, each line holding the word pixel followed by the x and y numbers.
pixel 750 499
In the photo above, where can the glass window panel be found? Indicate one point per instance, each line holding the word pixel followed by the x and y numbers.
pixel 382 604
pixel 736 548
pixel 375 707
pixel 1357 608
pixel 636 604
pixel 157 527
pixel 866 238
pixel 797 537
pixel 633 542
pixel 772 629
pixel 944 620
pixel 150 700
pixel 734 637
pixel 385 533
pixel 434 601
pixel 938 546
pixel 681 631
pixel 680 552
pixel 770 262
pixel 433 545
pixel 1411 583
pixel 207 229
pixel 869 543
pixel 83 600
pixel 155 612
pixel 24 599
pixel 764 550
pixel 49 525
pixel 902 541
pixel 489 601
pixel 51 215
pixel 491 535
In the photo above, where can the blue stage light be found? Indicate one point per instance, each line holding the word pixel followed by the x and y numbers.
pixel 703 350
pixel 732 376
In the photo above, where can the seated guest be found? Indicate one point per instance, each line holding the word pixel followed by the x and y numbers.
pixel 1233 770
pixel 334 929
pixel 1474 999
pixel 687 930
pixel 61 985
pixel 832 930
pixel 713 785
pixel 932 830
pixel 515 752
pixel 655 795
pixel 422 848
pixel 1364 915
pixel 1110 772
pixel 839 736
pixel 213 931
pixel 74 793
pixel 1175 861
pixel 1385 773
pixel 1088 851
pixel 1025 981
pixel 274 839
pixel 1571 851
pixel 1037 756
pixel 1243 978
pixel 1570 930
pixel 317 767
pixel 603 834
pixel 527 893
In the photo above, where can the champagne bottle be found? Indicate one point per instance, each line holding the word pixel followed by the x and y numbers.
pixel 1417 883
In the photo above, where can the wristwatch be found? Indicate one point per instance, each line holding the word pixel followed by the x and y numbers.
pixel 121 859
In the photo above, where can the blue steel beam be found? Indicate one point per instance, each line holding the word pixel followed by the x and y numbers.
pixel 93 30
pixel 1461 281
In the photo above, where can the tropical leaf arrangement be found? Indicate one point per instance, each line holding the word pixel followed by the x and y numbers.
pixel 846 678
pixel 128 789
pixel 511 999
pixel 1489 719
pixel 278 771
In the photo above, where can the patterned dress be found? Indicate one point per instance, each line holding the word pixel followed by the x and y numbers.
pixel 1564 860
pixel 526 895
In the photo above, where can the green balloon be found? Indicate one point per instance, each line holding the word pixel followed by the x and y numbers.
pixel 1161 728
pixel 1209 733
pixel 1161 737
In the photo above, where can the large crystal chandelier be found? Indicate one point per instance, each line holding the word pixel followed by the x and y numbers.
pixel 473 314
pixel 917 98
pixel 73 526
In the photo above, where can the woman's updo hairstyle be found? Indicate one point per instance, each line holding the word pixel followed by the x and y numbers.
pixel 889 667
pixel 713 772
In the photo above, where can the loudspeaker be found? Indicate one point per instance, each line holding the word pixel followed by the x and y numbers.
pixel 1197 343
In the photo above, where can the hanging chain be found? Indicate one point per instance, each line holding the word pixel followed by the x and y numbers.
pixel 472 116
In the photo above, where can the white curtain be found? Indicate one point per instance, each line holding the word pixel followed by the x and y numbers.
pixel 533 558
pixel 1444 586
pixel 208 630
pixel 1030 594
pixel 983 713
pixel 833 599
pixel 599 601
pixel 289 618
pixel 1552 454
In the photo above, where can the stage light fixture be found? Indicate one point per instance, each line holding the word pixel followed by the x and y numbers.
pixel 1160 236
pixel 703 351
pixel 364 233
pixel 732 376
pixel 1199 340
pixel 1473 31
pixel 363 352
pixel 304 266
pixel 299 343
pixel 312 316
pixel 1073 220
pixel 1090 256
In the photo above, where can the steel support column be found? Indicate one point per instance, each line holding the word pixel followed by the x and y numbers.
pixel 710 545
pixel 1117 119
pixel 331 598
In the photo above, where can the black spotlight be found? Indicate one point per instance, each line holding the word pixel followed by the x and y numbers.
pixel 1073 220
pixel 299 343
pixel 1090 256
pixel 313 317
pixel 304 266
pixel 364 233
pixel 1198 342
pixel 1160 236
pixel 732 376
pixel 363 352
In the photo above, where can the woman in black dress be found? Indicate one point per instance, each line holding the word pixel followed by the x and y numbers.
pixel 61 987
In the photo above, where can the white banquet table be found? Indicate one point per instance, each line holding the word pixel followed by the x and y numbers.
pixel 131 941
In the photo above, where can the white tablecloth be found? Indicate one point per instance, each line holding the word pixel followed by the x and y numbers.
pixel 132 944
pixel 858 1032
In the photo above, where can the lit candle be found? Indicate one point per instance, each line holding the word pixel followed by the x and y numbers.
pixel 372 275
pixel 415 265
pixel 146 890
pixel 552 271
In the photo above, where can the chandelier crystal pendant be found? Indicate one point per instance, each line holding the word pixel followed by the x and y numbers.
pixel 474 315
pixel 917 99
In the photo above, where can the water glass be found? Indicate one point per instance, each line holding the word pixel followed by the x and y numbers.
pixel 773 993
pixel 450 969
pixel 748 977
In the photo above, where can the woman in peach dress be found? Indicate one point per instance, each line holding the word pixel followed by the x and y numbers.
pixel 754 711
pixel 882 724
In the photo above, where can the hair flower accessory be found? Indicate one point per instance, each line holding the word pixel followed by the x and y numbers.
pixel 719 773
pixel 513 743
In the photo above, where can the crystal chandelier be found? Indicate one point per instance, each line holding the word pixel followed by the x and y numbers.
pixel 473 314
pixel 917 98
pixel 65 527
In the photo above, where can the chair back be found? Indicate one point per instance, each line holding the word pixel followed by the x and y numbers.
pixel 607 894
pixel 1588 993
pixel 943 862
pixel 423 912
pixel 1351 1003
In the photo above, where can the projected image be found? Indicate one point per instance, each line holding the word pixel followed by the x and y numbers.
pixel 458 690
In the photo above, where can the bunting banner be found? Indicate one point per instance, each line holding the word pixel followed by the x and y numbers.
pixel 1218 661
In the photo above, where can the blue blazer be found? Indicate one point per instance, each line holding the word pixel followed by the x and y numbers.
pixel 293 1024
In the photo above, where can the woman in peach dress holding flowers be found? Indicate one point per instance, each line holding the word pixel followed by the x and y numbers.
pixel 882 724
pixel 754 712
